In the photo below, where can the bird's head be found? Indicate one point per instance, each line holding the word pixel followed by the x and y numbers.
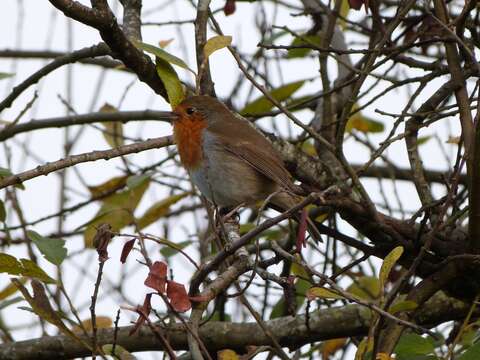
pixel 200 108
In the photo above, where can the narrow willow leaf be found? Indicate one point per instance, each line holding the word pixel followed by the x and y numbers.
pixel 159 209
pixel 162 54
pixel 10 289
pixel 102 322
pixel 4 75
pixel 3 212
pixel 168 251
pixel 171 82
pixel 120 352
pixel 365 287
pixel 51 248
pixel 216 43
pixel 107 186
pixel 113 132
pixel 388 263
pixel 364 124
pixel 322 293
pixel 305 40
pixel 406 305
pixel 262 104
pixel 10 265
pixel 344 9
pixel 117 210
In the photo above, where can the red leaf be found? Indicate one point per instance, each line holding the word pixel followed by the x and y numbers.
pixel 157 277
pixel 143 312
pixel 126 250
pixel 229 7
pixel 356 4
pixel 302 229
pixel 178 296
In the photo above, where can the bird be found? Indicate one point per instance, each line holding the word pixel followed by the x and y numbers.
pixel 229 160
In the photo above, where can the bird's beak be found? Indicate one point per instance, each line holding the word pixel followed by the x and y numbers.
pixel 170 116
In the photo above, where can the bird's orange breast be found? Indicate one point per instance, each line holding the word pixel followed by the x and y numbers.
pixel 187 133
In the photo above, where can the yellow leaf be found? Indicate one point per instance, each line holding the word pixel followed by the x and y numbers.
pixel 323 293
pixel 366 287
pixel 405 305
pixel 117 210
pixel 11 289
pixel 159 209
pixel 344 9
pixel 388 263
pixel 383 356
pixel 453 140
pixel 120 352
pixel 262 104
pixel 41 306
pixel 113 132
pixel 331 346
pixel 171 81
pixel 103 322
pixel 227 355
pixel 110 185
pixel 164 43
pixel 364 347
pixel 216 43
pixel 363 123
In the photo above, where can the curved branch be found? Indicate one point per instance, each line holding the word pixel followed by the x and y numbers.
pixel 88 52
pixel 85 157
pixel 64 121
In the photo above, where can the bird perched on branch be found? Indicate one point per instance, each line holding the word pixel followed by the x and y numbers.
pixel 230 161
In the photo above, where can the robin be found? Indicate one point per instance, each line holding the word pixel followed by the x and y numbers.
pixel 230 161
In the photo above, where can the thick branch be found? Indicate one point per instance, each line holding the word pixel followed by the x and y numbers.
pixel 350 320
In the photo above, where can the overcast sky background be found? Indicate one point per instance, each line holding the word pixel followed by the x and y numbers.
pixel 36 25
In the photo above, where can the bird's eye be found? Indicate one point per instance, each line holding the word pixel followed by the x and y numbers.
pixel 190 110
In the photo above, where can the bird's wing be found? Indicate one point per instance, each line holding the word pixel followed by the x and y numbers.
pixel 237 136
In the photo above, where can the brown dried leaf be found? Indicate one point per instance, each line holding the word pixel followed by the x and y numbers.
pixel 157 277
pixel 178 296
pixel 126 250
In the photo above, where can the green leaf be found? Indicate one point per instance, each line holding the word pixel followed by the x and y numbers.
pixel 366 287
pixel 10 265
pixel 6 173
pixel 113 132
pixel 31 269
pixel 162 54
pixel 423 140
pixel 344 9
pixel 52 249
pixel 136 180
pixel 3 212
pixel 120 352
pixel 472 353
pixel 405 305
pixel 364 124
pixel 159 209
pixel 262 104
pixel 4 75
pixel 388 263
pixel 10 289
pixel 322 293
pixel 112 184
pixel 216 43
pixel 168 251
pixel 307 40
pixel 117 210
pixel 411 345
pixel 171 81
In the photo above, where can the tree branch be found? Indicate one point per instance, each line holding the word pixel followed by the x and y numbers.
pixel 350 320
